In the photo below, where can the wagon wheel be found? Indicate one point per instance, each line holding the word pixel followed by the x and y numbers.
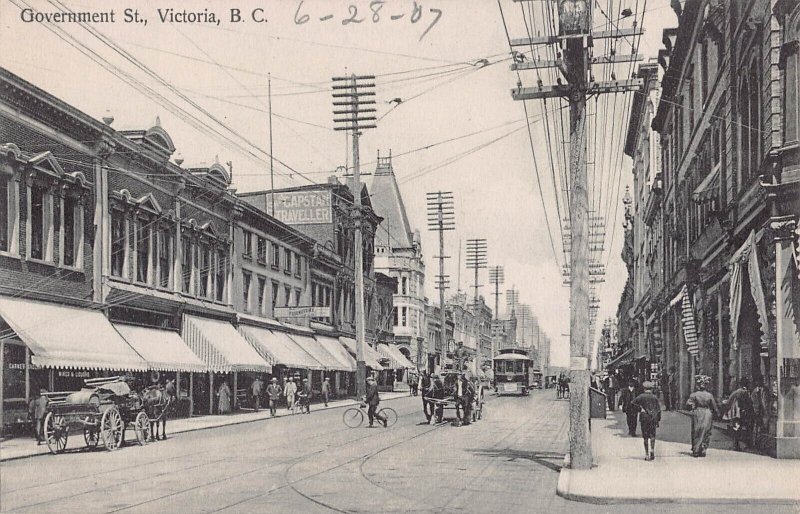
pixel 141 425
pixel 55 433
pixel 112 428
pixel 91 436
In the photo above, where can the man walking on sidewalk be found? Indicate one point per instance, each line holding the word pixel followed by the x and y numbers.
pixel 255 391
pixel 373 399
pixel 630 410
pixel 274 394
pixel 649 418
pixel 326 390
pixel 289 391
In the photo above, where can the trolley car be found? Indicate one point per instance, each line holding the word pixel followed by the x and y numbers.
pixel 514 372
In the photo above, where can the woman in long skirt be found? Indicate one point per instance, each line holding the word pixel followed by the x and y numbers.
pixel 704 408
pixel 224 395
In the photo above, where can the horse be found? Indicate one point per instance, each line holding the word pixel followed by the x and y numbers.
pixel 563 387
pixel 156 405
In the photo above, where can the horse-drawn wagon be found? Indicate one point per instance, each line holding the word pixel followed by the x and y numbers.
pixel 102 410
pixel 453 401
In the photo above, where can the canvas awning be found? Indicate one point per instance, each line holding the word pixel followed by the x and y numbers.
pixel 278 348
pixel 395 356
pixel 163 350
pixel 336 349
pixel 318 352
pixel 220 346
pixel 371 357
pixel 627 355
pixel 689 326
pixel 69 337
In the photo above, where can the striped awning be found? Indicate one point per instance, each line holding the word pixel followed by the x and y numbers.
pixel 371 357
pixel 689 325
pixel 220 346
pixel 164 350
pixel 278 348
pixel 336 349
pixel 319 352
pixel 396 358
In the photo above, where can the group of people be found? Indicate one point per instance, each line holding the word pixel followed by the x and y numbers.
pixel 297 393
pixel 434 390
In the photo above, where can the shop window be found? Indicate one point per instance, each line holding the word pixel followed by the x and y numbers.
pixel 221 265
pixel 287 261
pixel 13 372
pixel 262 250
pixel 37 222
pixel 142 250
pixel 262 286
pixel 247 244
pixel 186 264
pixel 164 256
pixel 276 256
pixel 118 245
pixel 246 279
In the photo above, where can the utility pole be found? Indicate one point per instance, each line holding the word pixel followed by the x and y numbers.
pixel 496 277
pixel 476 260
pixel 441 217
pixel 348 94
pixel 576 40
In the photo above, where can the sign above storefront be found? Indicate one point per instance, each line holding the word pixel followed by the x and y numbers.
pixel 303 312
pixel 301 207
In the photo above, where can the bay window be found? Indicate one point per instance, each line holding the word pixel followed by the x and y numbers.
pixel 142 250
pixel 118 245
pixel 220 272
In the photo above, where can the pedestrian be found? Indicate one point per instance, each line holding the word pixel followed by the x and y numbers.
pixel 663 380
pixel 704 409
pixel 274 394
pixel 649 418
pixel 760 401
pixel 326 390
pixel 224 398
pixel 425 390
pixel 611 391
pixel 739 414
pixel 304 397
pixel 372 400
pixel 39 413
pixel 255 391
pixel 672 386
pixel 437 393
pixel 289 390
pixel 630 410
pixel 465 394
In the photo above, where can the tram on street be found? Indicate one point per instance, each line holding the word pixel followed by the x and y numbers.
pixel 514 372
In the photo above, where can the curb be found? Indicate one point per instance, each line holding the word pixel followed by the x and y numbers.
pixel 197 429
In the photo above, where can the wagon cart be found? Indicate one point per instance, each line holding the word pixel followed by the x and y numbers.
pixel 449 402
pixel 103 410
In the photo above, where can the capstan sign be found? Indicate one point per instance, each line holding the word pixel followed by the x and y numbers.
pixel 301 207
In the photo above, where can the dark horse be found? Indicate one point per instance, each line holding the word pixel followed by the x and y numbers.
pixel 157 405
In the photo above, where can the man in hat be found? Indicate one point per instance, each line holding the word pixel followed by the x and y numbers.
pixel 274 394
pixel 437 392
pixel 304 397
pixel 373 399
pixel 630 410
pixel 289 390
pixel 326 390
pixel 649 417
pixel 255 391
pixel 39 412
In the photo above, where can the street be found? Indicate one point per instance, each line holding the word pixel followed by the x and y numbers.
pixel 508 462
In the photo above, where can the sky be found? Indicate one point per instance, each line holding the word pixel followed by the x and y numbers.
pixel 456 128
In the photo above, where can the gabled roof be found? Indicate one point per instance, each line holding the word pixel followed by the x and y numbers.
pixel 387 202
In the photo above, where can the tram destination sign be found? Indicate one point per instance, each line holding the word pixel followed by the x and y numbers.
pixel 301 207
pixel 303 312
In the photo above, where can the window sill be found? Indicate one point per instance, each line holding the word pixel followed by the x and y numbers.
pixel 10 254
pixel 42 261
pixel 74 269
pixel 287 272
pixel 275 267
pixel 262 262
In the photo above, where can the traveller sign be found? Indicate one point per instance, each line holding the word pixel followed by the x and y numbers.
pixel 303 312
pixel 301 207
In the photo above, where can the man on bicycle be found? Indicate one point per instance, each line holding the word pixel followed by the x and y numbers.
pixel 373 399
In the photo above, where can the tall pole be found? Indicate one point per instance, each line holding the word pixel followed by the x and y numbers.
pixel 441 217
pixel 496 277
pixel 442 310
pixel 271 159
pixel 352 89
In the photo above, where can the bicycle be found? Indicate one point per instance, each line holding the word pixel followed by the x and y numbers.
pixel 354 416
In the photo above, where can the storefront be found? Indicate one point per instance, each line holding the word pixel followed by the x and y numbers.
pixel 226 355
pixel 399 365
pixel 55 347
pixel 343 380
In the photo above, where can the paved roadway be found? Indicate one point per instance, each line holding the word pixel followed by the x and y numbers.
pixel 506 463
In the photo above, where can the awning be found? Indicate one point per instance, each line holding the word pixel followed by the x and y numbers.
pixel 69 337
pixel 220 346
pixel 619 360
pixel 371 357
pixel 708 190
pixel 689 327
pixel 395 356
pixel 336 349
pixel 164 350
pixel 318 352
pixel 278 348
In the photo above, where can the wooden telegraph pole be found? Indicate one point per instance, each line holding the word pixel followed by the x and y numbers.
pixel 476 261
pixel 575 40
pixel 441 217
pixel 348 102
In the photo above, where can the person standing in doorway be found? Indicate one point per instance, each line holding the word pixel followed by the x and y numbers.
pixel 630 410
pixel 704 410
pixel 289 391
pixel 649 418
pixel 372 400
pixel 255 391
pixel 274 394
pixel 224 398
pixel 326 390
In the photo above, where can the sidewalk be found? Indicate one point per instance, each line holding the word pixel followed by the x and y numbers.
pixel 23 447
pixel 621 475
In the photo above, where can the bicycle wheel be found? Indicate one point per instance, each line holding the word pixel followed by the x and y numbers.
pixel 353 417
pixel 390 414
